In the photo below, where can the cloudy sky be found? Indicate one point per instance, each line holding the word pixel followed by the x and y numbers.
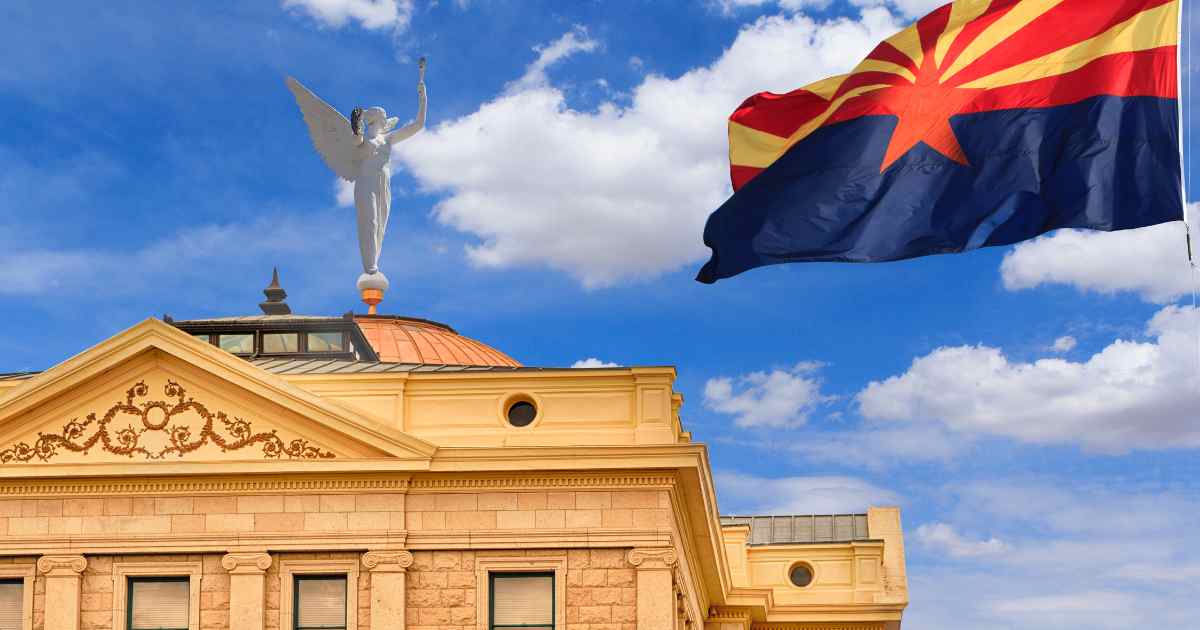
pixel 1031 409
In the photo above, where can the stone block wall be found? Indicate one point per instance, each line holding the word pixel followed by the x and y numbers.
pixel 641 509
pixel 274 586
pixel 601 590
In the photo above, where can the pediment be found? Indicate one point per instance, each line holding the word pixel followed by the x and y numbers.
pixel 154 394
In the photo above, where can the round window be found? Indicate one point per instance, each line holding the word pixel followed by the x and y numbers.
pixel 521 413
pixel 801 575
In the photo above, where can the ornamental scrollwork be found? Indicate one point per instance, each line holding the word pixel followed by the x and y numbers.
pixel 80 436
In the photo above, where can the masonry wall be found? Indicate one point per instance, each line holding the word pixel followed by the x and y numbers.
pixel 634 509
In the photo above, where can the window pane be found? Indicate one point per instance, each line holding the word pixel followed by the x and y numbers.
pixel 11 593
pixel 281 342
pixel 321 602
pixel 237 344
pixel 159 604
pixel 202 337
pixel 522 600
pixel 325 342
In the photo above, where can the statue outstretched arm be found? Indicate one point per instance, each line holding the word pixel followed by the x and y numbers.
pixel 407 131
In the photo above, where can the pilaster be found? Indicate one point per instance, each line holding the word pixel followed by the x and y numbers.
pixel 655 587
pixel 247 589
pixel 389 571
pixel 63 575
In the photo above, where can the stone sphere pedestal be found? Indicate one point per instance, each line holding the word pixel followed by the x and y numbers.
pixel 372 287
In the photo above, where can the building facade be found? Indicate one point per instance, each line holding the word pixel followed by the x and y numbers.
pixel 282 472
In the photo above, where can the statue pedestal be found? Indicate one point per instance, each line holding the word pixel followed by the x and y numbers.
pixel 372 286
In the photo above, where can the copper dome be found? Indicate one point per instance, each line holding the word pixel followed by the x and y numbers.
pixel 410 340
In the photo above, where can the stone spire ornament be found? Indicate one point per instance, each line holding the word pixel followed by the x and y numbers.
pixel 275 304
pixel 359 151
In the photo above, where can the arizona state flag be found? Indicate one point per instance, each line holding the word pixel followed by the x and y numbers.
pixel 985 123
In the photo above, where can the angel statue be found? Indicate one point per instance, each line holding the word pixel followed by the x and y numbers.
pixel 361 155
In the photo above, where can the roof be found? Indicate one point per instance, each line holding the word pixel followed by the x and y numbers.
pixel 802 528
pixel 341 366
pixel 412 340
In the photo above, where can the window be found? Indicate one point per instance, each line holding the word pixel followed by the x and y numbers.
pixel 522 600
pixel 320 602
pixel 281 342
pixel 159 603
pixel 12 595
pixel 237 344
pixel 326 342
pixel 801 574
pixel 205 337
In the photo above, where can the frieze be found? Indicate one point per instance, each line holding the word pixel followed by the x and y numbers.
pixel 155 417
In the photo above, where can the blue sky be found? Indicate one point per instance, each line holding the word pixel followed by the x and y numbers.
pixel 1030 408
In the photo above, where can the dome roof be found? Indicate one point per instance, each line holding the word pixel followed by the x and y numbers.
pixel 409 340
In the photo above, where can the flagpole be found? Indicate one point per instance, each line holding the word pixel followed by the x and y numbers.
pixel 1179 78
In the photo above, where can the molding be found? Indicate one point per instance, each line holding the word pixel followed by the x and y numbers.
pixel 541 481
pixel 643 559
pixel 61 566
pixel 211 485
pixel 556 564
pixel 122 571
pixel 849 625
pixel 247 563
pixel 387 561
pixel 27 572
pixel 175 439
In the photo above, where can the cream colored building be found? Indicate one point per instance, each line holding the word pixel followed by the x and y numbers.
pixel 379 473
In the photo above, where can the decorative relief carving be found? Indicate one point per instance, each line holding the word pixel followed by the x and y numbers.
pixel 387 561
pixel 246 562
pixel 651 558
pixel 155 417
pixel 54 566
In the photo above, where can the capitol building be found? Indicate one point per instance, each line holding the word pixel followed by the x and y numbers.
pixel 278 471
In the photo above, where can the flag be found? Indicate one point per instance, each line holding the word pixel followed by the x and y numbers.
pixel 984 123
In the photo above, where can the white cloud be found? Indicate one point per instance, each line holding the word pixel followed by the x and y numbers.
pixel 1066 343
pixel 1150 261
pixel 345 192
pixel 1130 395
pixel 879 445
pixel 779 398
pixel 942 537
pixel 907 8
pixel 573 41
pixel 593 362
pixel 371 14
pixel 620 192
pixel 729 7
pixel 749 494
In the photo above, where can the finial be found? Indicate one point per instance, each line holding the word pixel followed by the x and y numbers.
pixel 275 304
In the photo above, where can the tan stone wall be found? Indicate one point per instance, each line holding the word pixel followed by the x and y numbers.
pixel 633 509
pixel 273 586
pixel 601 590
pixel 441 591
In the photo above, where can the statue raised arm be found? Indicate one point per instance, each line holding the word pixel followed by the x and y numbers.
pixel 359 150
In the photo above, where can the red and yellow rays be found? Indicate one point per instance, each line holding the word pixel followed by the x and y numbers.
pixel 972 56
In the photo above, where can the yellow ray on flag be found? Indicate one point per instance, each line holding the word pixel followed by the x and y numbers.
pixel 1006 26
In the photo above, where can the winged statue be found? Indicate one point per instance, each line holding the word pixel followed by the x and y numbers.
pixel 359 151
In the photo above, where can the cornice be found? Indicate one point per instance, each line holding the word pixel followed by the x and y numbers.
pixel 542 481
pixel 848 625
pixel 217 485
pixel 396 561
pixel 246 563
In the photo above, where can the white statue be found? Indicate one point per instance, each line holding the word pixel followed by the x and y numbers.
pixel 362 156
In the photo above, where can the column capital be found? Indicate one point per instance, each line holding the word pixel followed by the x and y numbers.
pixel 246 563
pixel 389 561
pixel 61 566
pixel 644 558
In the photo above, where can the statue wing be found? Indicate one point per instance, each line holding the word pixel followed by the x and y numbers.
pixel 329 130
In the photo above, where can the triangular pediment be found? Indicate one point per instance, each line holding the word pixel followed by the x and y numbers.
pixel 155 394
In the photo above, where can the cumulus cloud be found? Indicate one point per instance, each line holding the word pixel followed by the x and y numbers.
pixel 779 398
pixel 370 14
pixel 907 8
pixel 942 537
pixel 572 42
pixel 751 494
pixel 621 191
pixel 1066 343
pixel 593 362
pixel 1150 261
pixel 344 191
pixel 1130 395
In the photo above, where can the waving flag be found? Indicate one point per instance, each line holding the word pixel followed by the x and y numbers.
pixel 985 123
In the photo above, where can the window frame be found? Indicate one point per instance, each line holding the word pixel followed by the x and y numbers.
pixel 26 574
pixel 290 569
pixel 130 580
pixel 123 572
pixel 296 600
pixel 492 575
pixel 551 564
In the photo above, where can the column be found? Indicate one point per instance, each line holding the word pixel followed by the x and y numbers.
pixel 388 572
pixel 63 575
pixel 655 587
pixel 247 589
